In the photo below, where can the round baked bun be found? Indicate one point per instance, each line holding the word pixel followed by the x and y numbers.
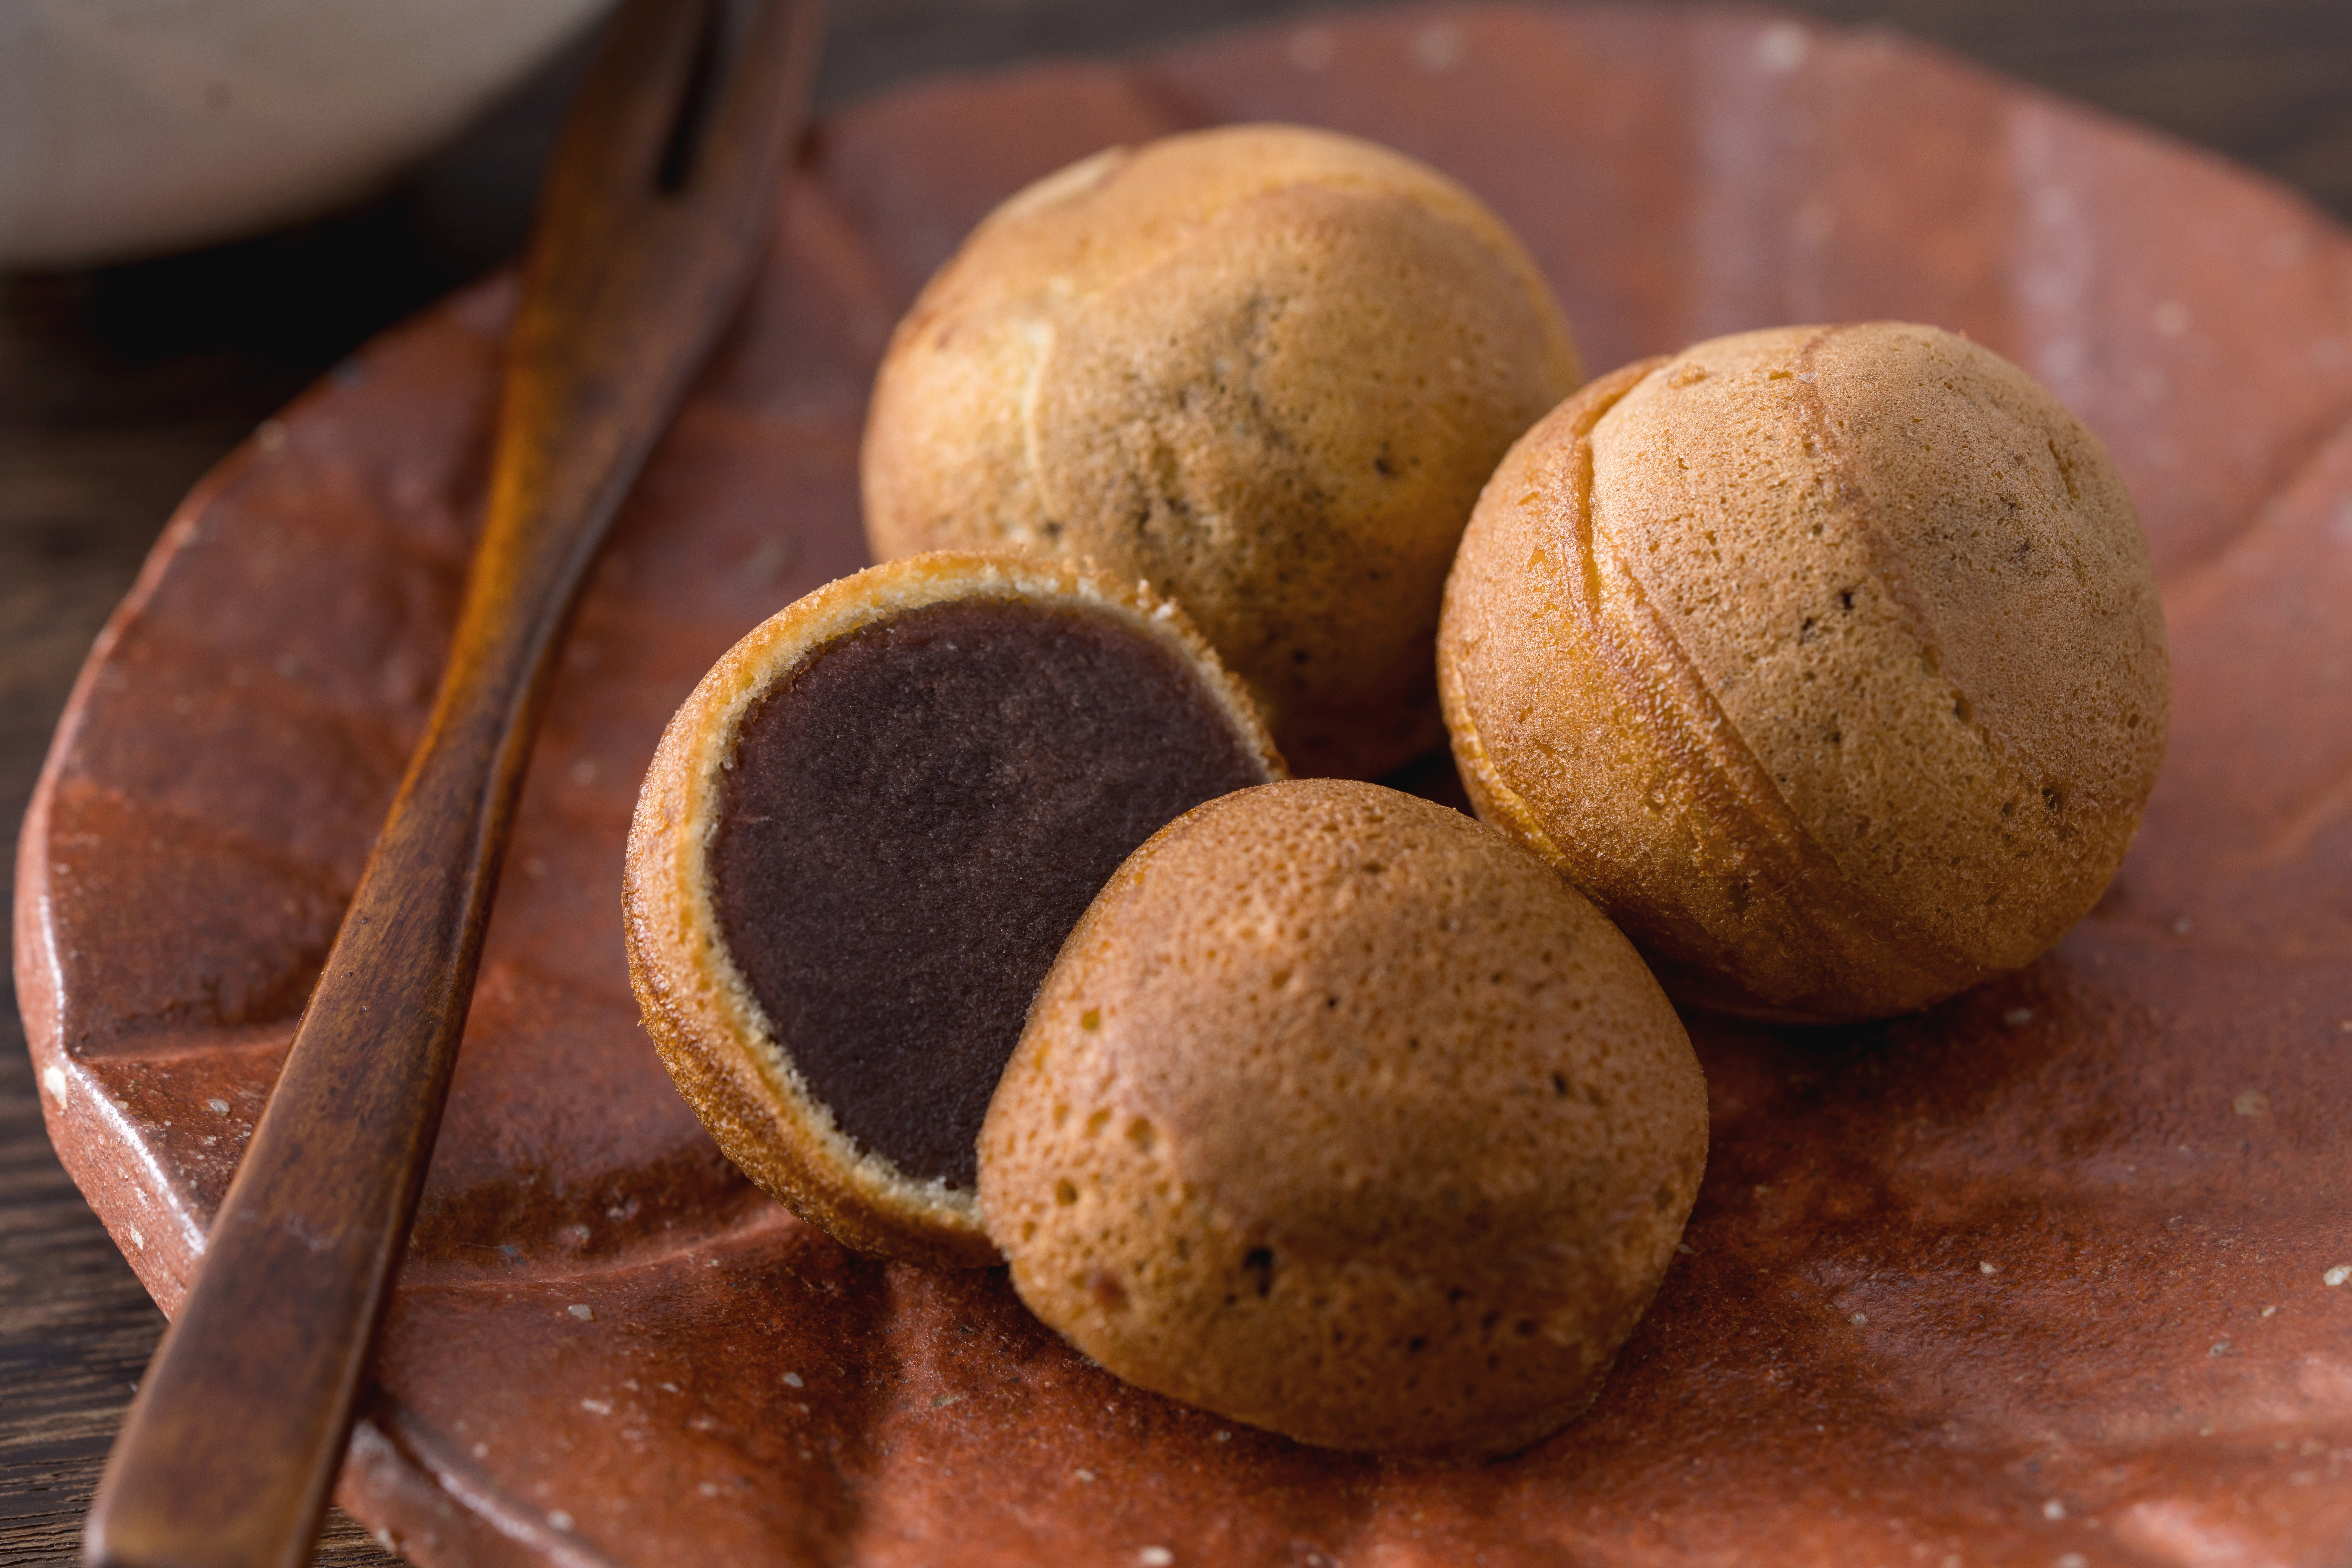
pixel 864 838
pixel 1341 1115
pixel 1264 369
pixel 1829 660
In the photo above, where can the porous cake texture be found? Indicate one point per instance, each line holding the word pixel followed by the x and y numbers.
pixel 1341 1115
pixel 1264 369
pixel 1828 660
pixel 862 842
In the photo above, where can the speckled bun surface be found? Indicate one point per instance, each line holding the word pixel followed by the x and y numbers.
pixel 1341 1115
pixel 863 839
pixel 1264 369
pixel 1829 660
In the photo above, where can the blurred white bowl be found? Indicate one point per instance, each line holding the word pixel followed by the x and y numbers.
pixel 129 127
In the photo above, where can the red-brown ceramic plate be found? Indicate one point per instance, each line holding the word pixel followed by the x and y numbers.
pixel 2053 1274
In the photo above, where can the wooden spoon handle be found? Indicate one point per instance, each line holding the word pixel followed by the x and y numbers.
pixel 656 208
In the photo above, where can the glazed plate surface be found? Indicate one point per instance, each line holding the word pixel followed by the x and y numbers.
pixel 2053 1274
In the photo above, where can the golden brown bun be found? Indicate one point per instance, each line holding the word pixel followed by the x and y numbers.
pixel 1264 369
pixel 1341 1115
pixel 713 1034
pixel 1829 660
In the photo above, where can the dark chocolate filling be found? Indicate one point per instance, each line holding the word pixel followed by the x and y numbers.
pixel 916 818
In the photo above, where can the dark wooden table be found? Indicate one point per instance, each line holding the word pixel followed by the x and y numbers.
pixel 119 386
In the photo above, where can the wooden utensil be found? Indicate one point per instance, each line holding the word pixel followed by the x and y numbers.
pixel 655 209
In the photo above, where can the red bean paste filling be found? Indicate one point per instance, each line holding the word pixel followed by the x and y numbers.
pixel 916 818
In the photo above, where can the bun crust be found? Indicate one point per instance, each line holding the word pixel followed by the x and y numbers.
pixel 718 1040
pixel 1829 660
pixel 1264 369
pixel 1343 1116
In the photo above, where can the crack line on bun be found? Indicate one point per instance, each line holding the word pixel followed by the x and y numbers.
pixel 1661 690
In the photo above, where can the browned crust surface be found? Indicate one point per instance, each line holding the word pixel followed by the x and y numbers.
pixel 1341 1115
pixel 709 1027
pixel 1829 659
pixel 1264 369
